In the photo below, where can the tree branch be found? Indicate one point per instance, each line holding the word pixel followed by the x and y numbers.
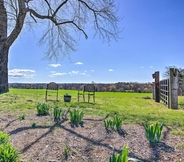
pixel 57 9
pixel 72 22
pixel 55 21
pixel 19 23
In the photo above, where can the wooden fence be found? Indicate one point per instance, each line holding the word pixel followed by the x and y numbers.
pixel 164 92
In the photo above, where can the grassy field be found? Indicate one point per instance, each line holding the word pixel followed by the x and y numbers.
pixel 41 138
pixel 131 107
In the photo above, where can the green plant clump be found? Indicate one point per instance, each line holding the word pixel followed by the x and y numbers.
pixel 122 157
pixel 66 152
pixel 42 109
pixel 7 152
pixel 114 124
pixel 76 116
pixel 118 123
pixel 57 113
pixel 3 138
pixel 33 125
pixel 153 132
pixel 108 123
pixel 22 117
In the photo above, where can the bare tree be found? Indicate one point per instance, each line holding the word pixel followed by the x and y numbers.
pixel 64 20
pixel 180 74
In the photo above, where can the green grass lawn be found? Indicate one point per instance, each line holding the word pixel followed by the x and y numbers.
pixel 131 107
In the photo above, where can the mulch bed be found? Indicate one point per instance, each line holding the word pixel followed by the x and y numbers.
pixel 88 142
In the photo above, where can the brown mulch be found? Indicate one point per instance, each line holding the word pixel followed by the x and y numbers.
pixel 88 142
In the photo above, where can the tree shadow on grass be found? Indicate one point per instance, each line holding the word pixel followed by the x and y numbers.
pixel 122 132
pixel 59 125
pixel 9 123
pixel 158 148
pixel 51 128
pixel 93 142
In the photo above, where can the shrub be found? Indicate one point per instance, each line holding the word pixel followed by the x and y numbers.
pixel 76 116
pixel 117 123
pixel 3 138
pixel 114 124
pixel 57 113
pixel 42 109
pixel 107 123
pixel 153 132
pixel 8 153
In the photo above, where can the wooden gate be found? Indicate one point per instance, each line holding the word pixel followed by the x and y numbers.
pixel 167 90
pixel 164 92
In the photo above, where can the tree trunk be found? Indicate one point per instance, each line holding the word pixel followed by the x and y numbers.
pixel 7 41
pixel 3 69
pixel 3 49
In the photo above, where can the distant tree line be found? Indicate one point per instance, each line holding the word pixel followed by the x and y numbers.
pixel 100 87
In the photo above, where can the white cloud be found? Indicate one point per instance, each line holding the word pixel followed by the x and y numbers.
pixel 78 63
pixel 151 67
pixel 73 72
pixel 92 70
pixel 54 65
pixel 142 67
pixel 111 70
pixel 21 73
pixel 84 73
pixel 54 74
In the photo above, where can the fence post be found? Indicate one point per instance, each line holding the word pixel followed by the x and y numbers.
pixel 153 90
pixel 156 86
pixel 173 88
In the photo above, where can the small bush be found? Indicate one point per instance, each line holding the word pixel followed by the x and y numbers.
pixel 114 124
pixel 42 109
pixel 3 138
pixel 76 116
pixel 153 132
pixel 57 113
pixel 8 153
pixel 117 123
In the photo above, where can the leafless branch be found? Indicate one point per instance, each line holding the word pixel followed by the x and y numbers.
pixel 59 8
pixel 64 17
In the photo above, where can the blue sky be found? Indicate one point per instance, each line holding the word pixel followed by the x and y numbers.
pixel 152 38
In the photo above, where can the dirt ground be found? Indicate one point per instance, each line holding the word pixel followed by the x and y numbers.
pixel 89 142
